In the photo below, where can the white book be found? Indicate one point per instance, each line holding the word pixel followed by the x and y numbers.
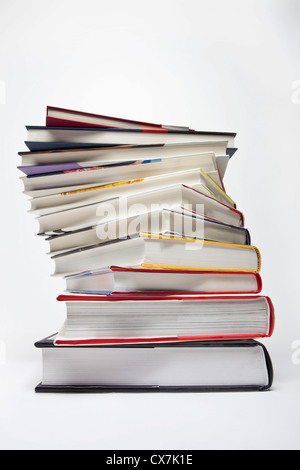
pixel 176 196
pixel 181 367
pixel 122 136
pixel 76 196
pixel 160 251
pixel 118 280
pixel 165 221
pixel 121 154
pixel 123 172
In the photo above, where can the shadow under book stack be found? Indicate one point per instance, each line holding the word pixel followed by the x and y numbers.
pixel 163 291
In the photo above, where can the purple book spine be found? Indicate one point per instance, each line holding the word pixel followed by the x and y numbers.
pixel 43 169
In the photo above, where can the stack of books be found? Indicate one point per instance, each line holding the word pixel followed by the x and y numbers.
pixel 162 283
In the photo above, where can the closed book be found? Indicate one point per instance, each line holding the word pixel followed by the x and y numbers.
pixel 121 153
pixel 86 155
pixel 184 367
pixel 160 251
pixel 111 190
pixel 111 136
pixel 113 173
pixel 117 280
pixel 171 197
pixel 67 117
pixel 126 319
pixel 77 196
pixel 167 222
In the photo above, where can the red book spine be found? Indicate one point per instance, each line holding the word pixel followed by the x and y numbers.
pixel 145 296
pixel 176 339
pixel 57 122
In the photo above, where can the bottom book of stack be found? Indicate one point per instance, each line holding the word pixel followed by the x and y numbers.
pixel 204 366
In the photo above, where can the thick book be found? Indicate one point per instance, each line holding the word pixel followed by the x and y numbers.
pixel 184 367
pixel 69 118
pixel 111 136
pixel 159 251
pixel 116 280
pixel 165 221
pixel 177 196
pixel 126 319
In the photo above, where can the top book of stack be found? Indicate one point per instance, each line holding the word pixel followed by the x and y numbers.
pixel 60 117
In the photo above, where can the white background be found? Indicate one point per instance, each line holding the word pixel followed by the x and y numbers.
pixel 211 65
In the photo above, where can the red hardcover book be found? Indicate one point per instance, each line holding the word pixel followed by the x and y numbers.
pixel 121 281
pixel 164 318
pixel 61 117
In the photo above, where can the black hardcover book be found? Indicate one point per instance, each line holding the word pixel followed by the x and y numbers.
pixel 207 366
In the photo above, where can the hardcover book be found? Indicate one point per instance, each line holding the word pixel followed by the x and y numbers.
pixel 117 280
pixel 144 318
pixel 216 366
pixel 160 251
pixel 67 117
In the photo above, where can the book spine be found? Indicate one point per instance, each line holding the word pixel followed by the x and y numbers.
pixel 177 339
pixel 58 122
